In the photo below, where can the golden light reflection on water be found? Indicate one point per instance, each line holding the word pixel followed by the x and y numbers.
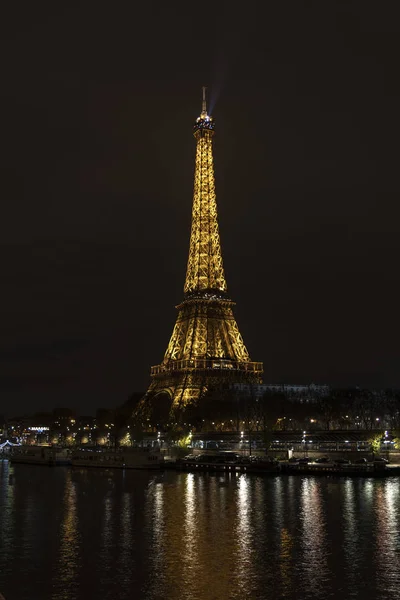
pixel 285 541
pixel 181 536
pixel 313 537
pixel 108 571
pixel 387 549
pixel 155 530
pixel 202 536
pixel 243 534
pixel 158 526
pixel 350 530
pixel 66 574
pixel 190 564
pixel 285 561
pixel 368 490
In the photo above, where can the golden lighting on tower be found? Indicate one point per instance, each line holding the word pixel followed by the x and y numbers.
pixel 206 348
pixel 205 270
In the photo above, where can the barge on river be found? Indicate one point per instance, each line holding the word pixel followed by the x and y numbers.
pixel 41 455
pixel 214 464
pixel 122 458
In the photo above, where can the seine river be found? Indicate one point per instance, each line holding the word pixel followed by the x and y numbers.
pixel 74 534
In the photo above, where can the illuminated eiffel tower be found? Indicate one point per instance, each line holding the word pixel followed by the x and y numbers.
pixel 206 350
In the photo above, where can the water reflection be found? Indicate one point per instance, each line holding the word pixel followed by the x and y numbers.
pixel 7 514
pixel 156 531
pixel 190 563
pixel 351 534
pixel 185 536
pixel 313 538
pixel 65 574
pixel 388 538
pixel 244 553
pixel 126 540
pixel 107 548
pixel 283 544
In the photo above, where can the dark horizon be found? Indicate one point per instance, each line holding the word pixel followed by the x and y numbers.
pixel 98 162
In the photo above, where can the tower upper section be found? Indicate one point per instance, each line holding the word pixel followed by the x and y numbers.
pixel 205 271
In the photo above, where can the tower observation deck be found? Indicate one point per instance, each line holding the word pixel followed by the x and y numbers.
pixel 206 349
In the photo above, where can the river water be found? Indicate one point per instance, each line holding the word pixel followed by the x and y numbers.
pixel 74 534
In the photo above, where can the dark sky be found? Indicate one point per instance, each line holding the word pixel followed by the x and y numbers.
pixel 98 102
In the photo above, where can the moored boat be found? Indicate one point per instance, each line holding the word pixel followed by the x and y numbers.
pixel 336 468
pixel 122 458
pixel 41 455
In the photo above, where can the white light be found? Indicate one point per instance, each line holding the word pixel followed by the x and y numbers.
pixel 38 428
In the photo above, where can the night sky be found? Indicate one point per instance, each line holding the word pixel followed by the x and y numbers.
pixel 98 103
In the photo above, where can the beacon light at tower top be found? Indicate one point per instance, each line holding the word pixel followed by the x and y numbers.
pixel 204 121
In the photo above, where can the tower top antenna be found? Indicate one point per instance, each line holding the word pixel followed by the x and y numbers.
pixel 204 122
pixel 204 104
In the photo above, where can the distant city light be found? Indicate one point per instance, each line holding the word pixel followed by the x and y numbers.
pixel 38 428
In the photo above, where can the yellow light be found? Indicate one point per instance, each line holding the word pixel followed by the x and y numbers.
pixel 205 347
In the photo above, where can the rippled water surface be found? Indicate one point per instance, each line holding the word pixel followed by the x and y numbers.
pixel 69 534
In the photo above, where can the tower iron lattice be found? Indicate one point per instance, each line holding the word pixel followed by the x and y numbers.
pixel 206 349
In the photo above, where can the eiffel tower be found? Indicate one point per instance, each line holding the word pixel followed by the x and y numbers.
pixel 206 350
